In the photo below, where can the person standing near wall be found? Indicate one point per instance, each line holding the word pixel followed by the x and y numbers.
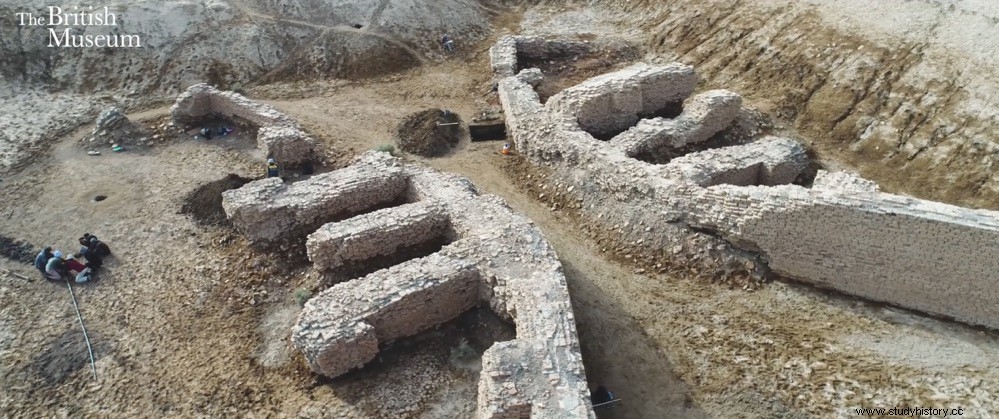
pixel 272 168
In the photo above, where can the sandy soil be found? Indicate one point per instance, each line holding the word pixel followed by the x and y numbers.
pixel 188 322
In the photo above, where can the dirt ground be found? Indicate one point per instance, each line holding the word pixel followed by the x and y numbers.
pixel 188 321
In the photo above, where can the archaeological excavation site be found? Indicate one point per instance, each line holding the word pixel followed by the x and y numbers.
pixel 514 209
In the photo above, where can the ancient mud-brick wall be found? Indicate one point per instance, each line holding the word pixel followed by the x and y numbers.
pixel 493 256
pixel 269 210
pixel 278 135
pixel 919 254
pixel 841 233
pixel 510 52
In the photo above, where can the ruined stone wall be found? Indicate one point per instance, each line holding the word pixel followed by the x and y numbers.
pixel 638 90
pixel 919 254
pixel 268 210
pixel 338 331
pixel 495 257
pixel 368 235
pixel 842 233
pixel 705 115
pixel 278 135
pixel 510 52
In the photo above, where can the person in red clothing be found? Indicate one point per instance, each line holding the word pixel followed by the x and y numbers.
pixel 83 273
pixel 73 264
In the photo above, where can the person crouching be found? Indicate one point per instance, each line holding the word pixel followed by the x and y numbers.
pixel 82 272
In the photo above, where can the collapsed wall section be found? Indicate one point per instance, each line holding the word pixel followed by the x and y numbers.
pixel 279 137
pixel 841 234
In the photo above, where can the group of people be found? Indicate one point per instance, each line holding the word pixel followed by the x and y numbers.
pixel 54 267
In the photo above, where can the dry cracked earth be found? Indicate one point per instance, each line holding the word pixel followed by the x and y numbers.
pixel 188 321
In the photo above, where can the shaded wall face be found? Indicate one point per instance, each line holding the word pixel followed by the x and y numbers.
pixel 871 247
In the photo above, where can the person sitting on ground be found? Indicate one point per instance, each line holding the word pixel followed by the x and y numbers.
pixel 272 168
pixel 94 261
pixel 447 43
pixel 92 244
pixel 99 247
pixel 85 242
pixel 56 267
pixel 42 259
pixel 207 133
pixel 74 267
pixel 221 132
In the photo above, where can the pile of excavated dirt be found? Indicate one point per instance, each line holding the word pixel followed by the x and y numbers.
pixel 424 133
pixel 204 204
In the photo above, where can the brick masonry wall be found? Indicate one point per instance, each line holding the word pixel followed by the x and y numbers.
pixel 497 257
pixel 278 135
pixel 841 234
pixel 923 255
pixel 268 210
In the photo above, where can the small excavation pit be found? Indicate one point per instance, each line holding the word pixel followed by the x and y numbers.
pixel 100 198
pixel 443 362
pixel 429 133
pixel 489 130
pixel 204 204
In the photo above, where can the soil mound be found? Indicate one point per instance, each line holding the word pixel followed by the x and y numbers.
pixel 429 133
pixel 205 203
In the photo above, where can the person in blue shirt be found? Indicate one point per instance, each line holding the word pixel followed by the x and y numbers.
pixel 272 168
pixel 42 259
